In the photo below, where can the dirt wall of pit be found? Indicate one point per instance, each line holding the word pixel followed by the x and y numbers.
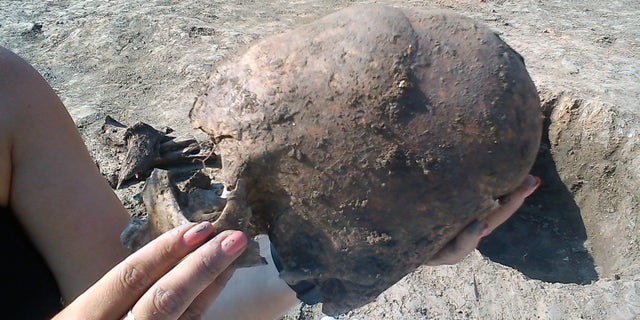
pixel 597 152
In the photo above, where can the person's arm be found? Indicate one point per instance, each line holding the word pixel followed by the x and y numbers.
pixel 51 183
pixel 67 208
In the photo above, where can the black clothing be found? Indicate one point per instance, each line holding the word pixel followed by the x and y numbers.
pixel 29 288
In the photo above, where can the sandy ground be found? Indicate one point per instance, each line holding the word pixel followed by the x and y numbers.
pixel 570 253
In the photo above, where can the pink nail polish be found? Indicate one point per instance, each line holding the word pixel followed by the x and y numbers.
pixel 198 233
pixel 234 243
pixel 485 230
pixel 534 185
pixel 538 181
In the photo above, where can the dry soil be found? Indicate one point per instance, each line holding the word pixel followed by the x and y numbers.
pixel 571 252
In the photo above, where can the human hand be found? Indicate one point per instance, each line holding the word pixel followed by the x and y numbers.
pixel 179 274
pixel 467 240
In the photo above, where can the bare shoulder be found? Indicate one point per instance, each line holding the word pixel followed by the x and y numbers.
pixel 13 71
pixel 11 65
pixel 18 80
pixel 7 61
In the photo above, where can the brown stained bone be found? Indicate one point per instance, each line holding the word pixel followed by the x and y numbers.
pixel 142 148
pixel 145 150
pixel 369 138
pixel 165 212
pixel 236 213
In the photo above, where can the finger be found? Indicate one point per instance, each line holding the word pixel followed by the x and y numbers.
pixel 203 302
pixel 460 247
pixel 123 285
pixel 170 296
pixel 511 203
pixel 465 242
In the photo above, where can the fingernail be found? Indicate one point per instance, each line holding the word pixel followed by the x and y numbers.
pixel 234 243
pixel 485 230
pixel 478 228
pixel 533 183
pixel 198 233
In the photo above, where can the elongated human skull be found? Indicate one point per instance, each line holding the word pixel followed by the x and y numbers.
pixel 368 139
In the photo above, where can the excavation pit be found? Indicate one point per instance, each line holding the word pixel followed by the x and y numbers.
pixel 581 224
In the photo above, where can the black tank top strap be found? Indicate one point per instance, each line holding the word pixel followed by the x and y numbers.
pixel 30 289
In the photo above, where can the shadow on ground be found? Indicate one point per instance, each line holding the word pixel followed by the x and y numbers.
pixel 545 239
